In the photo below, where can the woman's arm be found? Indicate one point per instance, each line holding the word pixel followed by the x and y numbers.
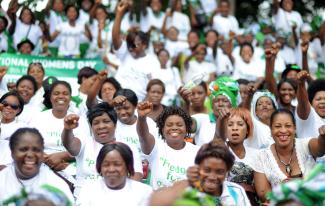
pixel 88 33
pixel 120 10
pixel 262 185
pixel 164 29
pixel 303 107
pixel 317 145
pixel 270 56
pixel 95 88
pixel 71 143
pixel 147 140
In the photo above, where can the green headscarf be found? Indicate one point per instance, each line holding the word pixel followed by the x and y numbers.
pixel 226 86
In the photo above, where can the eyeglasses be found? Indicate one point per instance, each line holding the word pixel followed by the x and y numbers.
pixel 13 106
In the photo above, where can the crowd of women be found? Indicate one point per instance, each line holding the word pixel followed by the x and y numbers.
pixel 189 111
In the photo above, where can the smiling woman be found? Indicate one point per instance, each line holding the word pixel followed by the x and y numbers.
pixel 28 170
pixel 102 119
pixel 170 156
pixel 115 164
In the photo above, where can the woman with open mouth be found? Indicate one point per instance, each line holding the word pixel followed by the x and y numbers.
pixel 50 124
pixel 170 156
pixel 11 106
pixel 206 184
pixel 102 119
pixel 28 170
pixel 115 165
pixel 289 157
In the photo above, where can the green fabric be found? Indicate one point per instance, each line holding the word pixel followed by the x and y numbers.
pixel 309 191
pixel 83 49
pixel 77 100
pixel 193 197
pixel 54 51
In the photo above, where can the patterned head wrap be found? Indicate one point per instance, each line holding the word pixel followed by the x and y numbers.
pixel 257 96
pixel 310 191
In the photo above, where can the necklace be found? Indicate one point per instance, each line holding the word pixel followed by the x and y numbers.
pixel 287 166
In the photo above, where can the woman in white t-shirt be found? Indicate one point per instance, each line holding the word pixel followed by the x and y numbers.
pixel 289 157
pixel 125 103
pixel 27 170
pixel 206 182
pixel 24 27
pixel 310 109
pixel 102 119
pixel 170 156
pixel 70 33
pixel 101 30
pixel 170 76
pixel 37 71
pixel 115 165
pixel 26 86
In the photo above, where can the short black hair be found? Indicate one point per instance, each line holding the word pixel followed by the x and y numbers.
pixel 156 82
pixel 314 87
pixel 243 81
pixel 16 136
pixel 129 94
pixel 20 100
pixel 204 86
pixel 28 78
pixel 216 150
pixel 47 95
pixel 125 152
pixel 31 12
pixel 86 72
pixel 5 21
pixel 113 82
pixel 246 44
pixel 282 111
pixel 69 6
pixel 163 50
pixel 173 110
pixel 25 41
pixel 101 109
pixel 289 81
pixel 290 67
pixel 133 34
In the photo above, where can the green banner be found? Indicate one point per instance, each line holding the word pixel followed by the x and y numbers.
pixel 59 67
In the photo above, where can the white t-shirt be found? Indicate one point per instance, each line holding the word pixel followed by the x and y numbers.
pixel 5 157
pixel 70 38
pixel 171 78
pixel 156 20
pixel 309 127
pixel 168 165
pixel 7 129
pixel 205 129
pixel 250 71
pixel 132 194
pixel 195 68
pixel 37 99
pixel 53 21
pixel 10 185
pixel 233 195
pixel 175 47
pixel 32 32
pixel 143 24
pixel 3 42
pixel 106 37
pixel 267 164
pixel 51 128
pixel 128 133
pixel 262 137
pixel 135 73
pixel 223 25
pixel 83 19
pixel 86 162
pixel 181 22
pixel 284 20
pixel 288 55
pixel 250 156
pixel 28 113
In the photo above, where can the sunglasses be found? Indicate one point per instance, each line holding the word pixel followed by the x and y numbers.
pixel 13 106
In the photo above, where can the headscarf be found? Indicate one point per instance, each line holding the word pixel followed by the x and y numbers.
pixel 44 192
pixel 223 86
pixel 257 96
pixel 310 191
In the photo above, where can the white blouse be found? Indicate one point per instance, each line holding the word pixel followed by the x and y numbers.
pixel 267 164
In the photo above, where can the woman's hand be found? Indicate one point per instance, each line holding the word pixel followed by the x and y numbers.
pixel 144 108
pixel 122 7
pixel 55 161
pixel 304 46
pixel 71 121
pixel 185 94
pixel 119 100
pixel 192 174
pixel 302 76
